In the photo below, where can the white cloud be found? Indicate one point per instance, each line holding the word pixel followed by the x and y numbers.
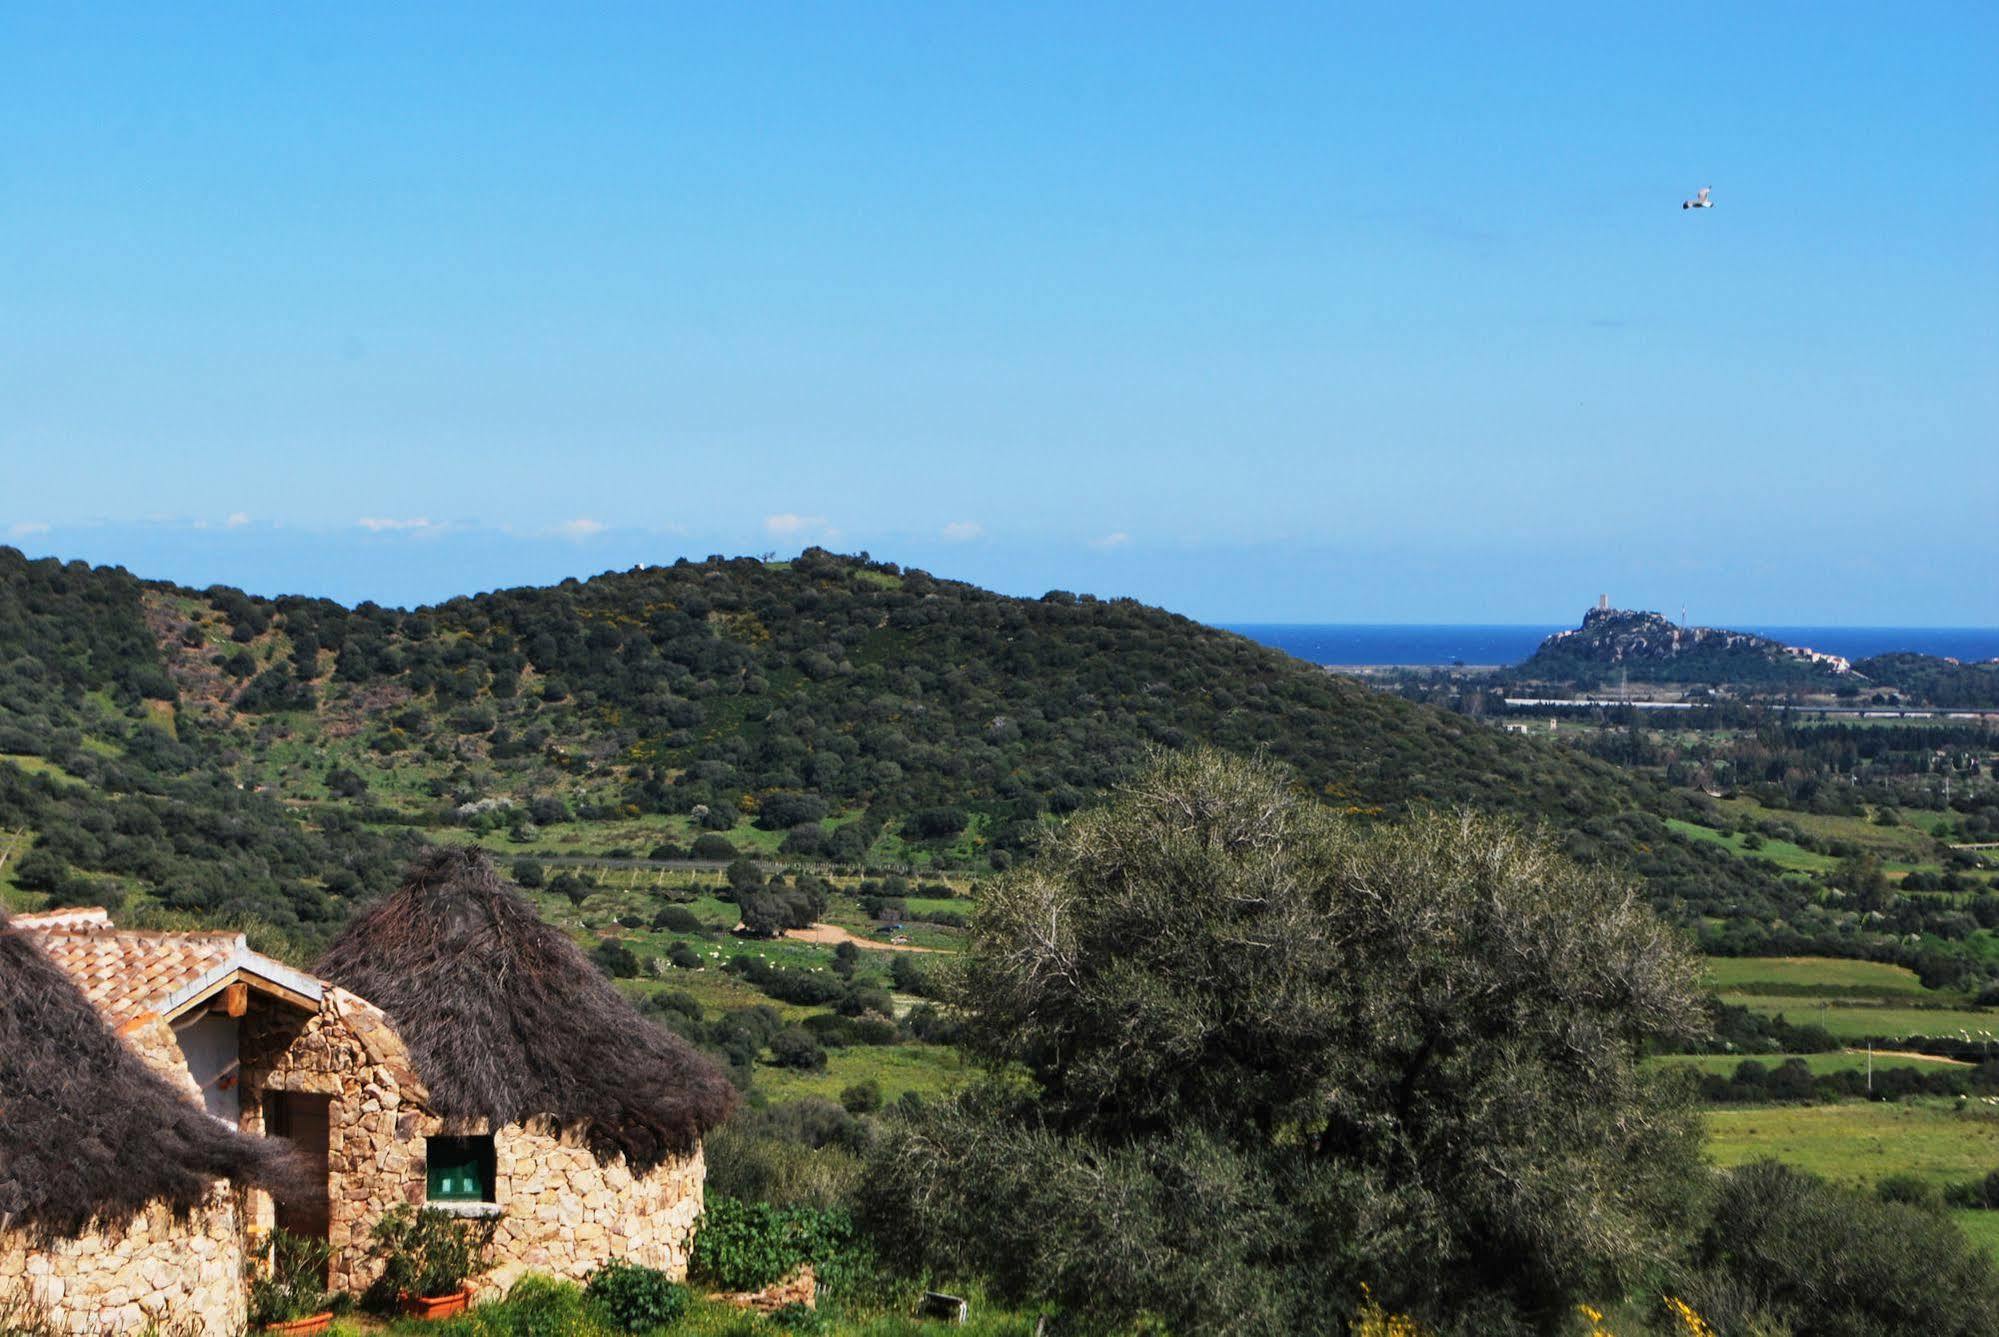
pixel 382 524
pixel 236 520
pixel 26 529
pixel 963 531
pixel 787 523
pixel 582 527
pixel 1109 541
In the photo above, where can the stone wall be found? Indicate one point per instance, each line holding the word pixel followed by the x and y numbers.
pixel 182 1277
pixel 152 1039
pixel 565 1212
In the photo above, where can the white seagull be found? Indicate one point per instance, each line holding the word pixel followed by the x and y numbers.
pixel 1700 201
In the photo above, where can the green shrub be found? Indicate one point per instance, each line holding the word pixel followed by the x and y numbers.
pixel 426 1252
pixel 537 1306
pixel 751 1159
pixel 797 1320
pixel 677 919
pixel 794 1047
pixel 292 1287
pixel 862 1097
pixel 1909 1190
pixel 637 1299
pixel 712 847
pixel 744 1246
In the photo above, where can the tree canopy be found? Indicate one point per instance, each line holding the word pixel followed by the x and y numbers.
pixel 1241 1043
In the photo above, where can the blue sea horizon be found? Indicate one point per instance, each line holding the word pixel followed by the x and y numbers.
pixel 1348 644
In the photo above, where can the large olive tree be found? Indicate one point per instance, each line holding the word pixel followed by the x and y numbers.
pixel 1246 1054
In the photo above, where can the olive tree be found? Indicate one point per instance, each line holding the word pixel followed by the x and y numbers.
pixel 1247 1054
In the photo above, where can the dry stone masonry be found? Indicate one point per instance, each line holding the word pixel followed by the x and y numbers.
pixel 563 1212
pixel 182 1276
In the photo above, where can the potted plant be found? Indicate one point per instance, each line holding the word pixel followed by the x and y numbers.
pixel 427 1256
pixel 288 1293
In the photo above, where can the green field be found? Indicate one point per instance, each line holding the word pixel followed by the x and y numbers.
pixel 927 1069
pixel 1860 1142
pixel 1843 1061
pixel 1983 1227
pixel 1849 1019
pixel 1903 843
pixel 1782 853
pixel 1776 974
pixel 1854 1000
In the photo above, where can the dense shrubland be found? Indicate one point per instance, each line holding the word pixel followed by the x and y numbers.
pixel 869 713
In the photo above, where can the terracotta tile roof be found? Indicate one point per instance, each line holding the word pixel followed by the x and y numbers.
pixel 127 974
pixel 72 917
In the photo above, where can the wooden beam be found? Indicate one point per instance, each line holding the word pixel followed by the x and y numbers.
pixel 233 1001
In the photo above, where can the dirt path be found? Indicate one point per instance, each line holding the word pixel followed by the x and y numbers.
pixel 832 935
pixel 1920 1057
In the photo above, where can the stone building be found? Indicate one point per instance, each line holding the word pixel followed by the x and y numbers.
pixel 120 1199
pixel 542 1099
pixel 475 1061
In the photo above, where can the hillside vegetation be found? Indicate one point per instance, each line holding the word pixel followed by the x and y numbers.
pixel 214 752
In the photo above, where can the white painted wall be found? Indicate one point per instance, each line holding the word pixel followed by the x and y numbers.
pixel 208 1043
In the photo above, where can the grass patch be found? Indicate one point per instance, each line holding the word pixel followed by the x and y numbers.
pixel 1782 853
pixel 1860 1142
pixel 929 1070
pixel 34 765
pixel 1981 1226
pixel 1849 1019
pixel 1777 974
pixel 1907 843
pixel 1844 1061
pixel 709 1318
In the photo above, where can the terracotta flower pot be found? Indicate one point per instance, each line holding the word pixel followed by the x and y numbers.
pixel 437 1306
pixel 302 1327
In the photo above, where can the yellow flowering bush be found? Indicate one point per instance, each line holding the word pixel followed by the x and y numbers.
pixel 1375 1321
pixel 1686 1322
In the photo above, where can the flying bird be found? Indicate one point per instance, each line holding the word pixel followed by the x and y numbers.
pixel 1700 201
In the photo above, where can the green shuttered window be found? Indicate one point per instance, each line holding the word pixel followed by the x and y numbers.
pixel 461 1169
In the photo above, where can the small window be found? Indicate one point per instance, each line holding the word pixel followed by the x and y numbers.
pixel 461 1169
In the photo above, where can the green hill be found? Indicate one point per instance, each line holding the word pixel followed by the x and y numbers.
pixel 223 754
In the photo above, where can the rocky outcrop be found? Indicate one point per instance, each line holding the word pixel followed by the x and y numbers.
pixel 1648 647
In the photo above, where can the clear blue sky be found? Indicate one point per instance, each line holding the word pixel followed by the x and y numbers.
pixel 1259 312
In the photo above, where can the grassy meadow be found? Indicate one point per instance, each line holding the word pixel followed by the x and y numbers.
pixel 1854 1000
pixel 1862 1142
pixel 1846 1060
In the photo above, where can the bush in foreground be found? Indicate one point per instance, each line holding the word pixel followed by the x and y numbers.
pixel 637 1299
pixel 1246 1056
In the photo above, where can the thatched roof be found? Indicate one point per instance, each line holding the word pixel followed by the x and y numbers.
pixel 89 1135
pixel 508 1022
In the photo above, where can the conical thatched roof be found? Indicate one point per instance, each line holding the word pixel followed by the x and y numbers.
pixel 89 1135
pixel 507 1021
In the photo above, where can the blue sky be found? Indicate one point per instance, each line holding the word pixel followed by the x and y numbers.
pixel 1258 312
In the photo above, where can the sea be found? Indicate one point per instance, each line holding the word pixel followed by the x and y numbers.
pixel 1347 644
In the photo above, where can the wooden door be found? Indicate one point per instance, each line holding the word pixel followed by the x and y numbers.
pixel 304 1121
